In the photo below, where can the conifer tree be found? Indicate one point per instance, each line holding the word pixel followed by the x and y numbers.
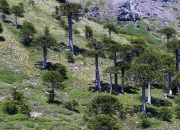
pixel 45 41
pixel 4 9
pixel 18 11
pixel 168 32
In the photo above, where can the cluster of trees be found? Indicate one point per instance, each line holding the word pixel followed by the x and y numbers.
pixel 17 10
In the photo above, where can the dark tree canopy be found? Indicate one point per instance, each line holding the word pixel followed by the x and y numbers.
pixel 168 32
pixel 27 32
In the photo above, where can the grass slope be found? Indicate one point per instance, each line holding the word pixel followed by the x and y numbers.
pixel 17 70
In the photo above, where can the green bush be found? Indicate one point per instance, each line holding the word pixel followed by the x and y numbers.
pixel 70 57
pixel 25 109
pixel 177 111
pixel 29 124
pixel 107 104
pixel 71 105
pixel 10 108
pixel 103 122
pixel 18 97
pixel 177 99
pixel 165 114
pixel 145 123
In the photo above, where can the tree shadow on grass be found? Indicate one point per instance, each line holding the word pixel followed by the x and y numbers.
pixel 105 88
pixel 78 50
pixel 131 89
pixel 2 39
pixel 8 21
pixel 160 102
pixel 152 112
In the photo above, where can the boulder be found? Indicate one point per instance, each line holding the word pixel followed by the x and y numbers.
pixel 35 114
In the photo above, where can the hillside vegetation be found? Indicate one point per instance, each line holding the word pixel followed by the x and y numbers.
pixel 22 78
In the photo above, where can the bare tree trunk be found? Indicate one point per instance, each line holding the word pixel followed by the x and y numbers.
pixel 149 92
pixel 44 57
pixel 143 99
pixel 169 82
pixel 16 24
pixel 98 84
pixel 52 100
pixel 165 93
pixel 115 75
pixel 71 48
pixel 110 83
pixel 122 75
pixel 177 60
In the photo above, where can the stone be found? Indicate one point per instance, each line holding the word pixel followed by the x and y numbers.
pixel 35 114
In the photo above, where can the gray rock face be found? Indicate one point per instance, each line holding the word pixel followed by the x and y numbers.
pixel 131 10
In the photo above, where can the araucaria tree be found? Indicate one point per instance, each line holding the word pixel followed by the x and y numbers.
pixel 174 46
pixel 111 28
pixel 18 11
pixel 88 32
pixel 45 41
pixel 141 73
pixel 70 10
pixel 27 32
pixel 168 32
pixel 96 51
pixel 4 9
pixel 53 79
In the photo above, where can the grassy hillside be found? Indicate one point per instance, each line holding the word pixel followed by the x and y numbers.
pixel 17 70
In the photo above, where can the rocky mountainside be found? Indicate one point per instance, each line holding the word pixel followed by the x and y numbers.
pixel 164 11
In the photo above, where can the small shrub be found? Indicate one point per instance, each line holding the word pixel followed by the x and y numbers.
pixel 18 97
pixel 177 99
pixel 177 111
pixel 10 108
pixel 75 31
pixel 29 124
pixel 70 57
pixel 165 114
pixel 103 122
pixel 25 109
pixel 71 105
pixel 145 123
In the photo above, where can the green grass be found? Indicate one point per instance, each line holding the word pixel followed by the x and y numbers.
pixel 17 64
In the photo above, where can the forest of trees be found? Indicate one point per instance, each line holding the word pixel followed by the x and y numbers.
pixel 136 63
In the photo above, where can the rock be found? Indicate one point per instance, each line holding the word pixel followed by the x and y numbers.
pixel 35 114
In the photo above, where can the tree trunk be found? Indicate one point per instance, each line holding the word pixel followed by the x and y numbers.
pixel 124 58
pixel 165 93
pixel 122 75
pixel 178 87
pixel 149 92
pixel 71 48
pixel 169 82
pixel 98 84
pixel 110 34
pixel 177 61
pixel 16 23
pixel 44 57
pixel 52 98
pixel 143 99
pixel 115 75
pixel 3 17
pixel 110 83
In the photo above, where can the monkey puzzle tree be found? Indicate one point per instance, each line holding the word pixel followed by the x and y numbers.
pixel 174 46
pixel 88 32
pixel 139 46
pixel 111 70
pixel 168 66
pixel 52 79
pixel 111 28
pixel 152 59
pixel 70 10
pixel 96 51
pixel 142 73
pixel 112 48
pixel 18 11
pixel 27 32
pixel 168 32
pixel 123 66
pixel 45 41
pixel 4 8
